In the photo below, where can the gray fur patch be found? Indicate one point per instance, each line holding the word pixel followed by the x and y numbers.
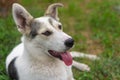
pixel 35 26
pixel 50 21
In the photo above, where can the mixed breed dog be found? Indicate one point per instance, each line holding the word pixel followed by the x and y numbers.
pixel 43 53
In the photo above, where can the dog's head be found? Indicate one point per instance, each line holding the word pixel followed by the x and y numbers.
pixel 44 32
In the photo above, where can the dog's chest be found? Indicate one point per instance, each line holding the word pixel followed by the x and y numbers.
pixel 41 70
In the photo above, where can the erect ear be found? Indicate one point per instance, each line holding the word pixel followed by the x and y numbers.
pixel 52 10
pixel 22 18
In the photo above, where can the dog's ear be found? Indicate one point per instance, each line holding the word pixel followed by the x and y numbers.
pixel 52 10
pixel 22 18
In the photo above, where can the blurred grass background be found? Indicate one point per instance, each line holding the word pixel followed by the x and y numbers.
pixel 94 24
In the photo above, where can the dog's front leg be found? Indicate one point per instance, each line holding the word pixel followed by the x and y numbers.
pixel 81 66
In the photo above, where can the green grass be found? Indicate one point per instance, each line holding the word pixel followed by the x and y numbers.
pixel 95 26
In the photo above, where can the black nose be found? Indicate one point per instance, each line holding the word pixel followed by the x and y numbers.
pixel 69 42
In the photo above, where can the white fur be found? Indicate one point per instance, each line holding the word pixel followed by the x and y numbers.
pixel 46 68
pixel 33 60
pixel 83 55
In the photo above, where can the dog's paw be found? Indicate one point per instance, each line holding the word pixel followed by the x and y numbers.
pixel 85 67
pixel 81 66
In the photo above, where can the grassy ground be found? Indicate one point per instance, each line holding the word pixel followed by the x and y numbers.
pixel 95 26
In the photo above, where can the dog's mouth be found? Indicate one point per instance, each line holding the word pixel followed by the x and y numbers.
pixel 64 56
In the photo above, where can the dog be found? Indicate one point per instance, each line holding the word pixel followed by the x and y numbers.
pixel 43 53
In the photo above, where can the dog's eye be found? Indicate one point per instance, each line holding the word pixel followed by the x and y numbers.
pixel 47 33
pixel 60 26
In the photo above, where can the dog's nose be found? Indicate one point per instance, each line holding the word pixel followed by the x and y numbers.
pixel 69 42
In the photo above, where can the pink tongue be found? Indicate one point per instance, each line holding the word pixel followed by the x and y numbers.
pixel 67 58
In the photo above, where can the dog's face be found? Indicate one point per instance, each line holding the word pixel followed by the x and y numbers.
pixel 44 32
pixel 48 33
